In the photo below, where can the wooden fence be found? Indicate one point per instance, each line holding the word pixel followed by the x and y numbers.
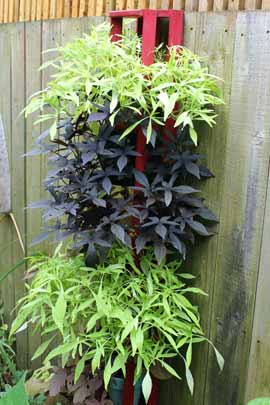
pixel 30 10
pixel 234 265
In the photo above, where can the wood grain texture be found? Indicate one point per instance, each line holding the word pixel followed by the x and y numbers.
pixel 265 4
pixel 253 4
pixel 212 37
pixel 206 5
pixel 191 5
pixel 75 8
pixel 91 8
pixel 33 49
pixel 242 211
pixel 220 5
pixel 18 184
pixel 143 4
pixel 33 10
pixel 120 4
pixel 6 231
pixel 258 382
pixel 234 5
pixel 46 9
pixel 178 4
pixel 60 8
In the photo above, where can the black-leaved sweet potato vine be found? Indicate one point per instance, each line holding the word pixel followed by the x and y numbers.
pixel 92 181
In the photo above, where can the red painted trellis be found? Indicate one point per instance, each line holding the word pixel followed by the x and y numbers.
pixel 147 25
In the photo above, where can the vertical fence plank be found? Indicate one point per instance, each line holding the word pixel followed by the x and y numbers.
pixel 91 8
pixel 82 8
pixel 33 164
pixel 18 168
pixel 206 5
pixel 178 4
pixel 220 5
pixel 67 5
pixel 16 11
pixel 6 3
pixel 235 5
pixel 143 4
pixel 171 390
pixel 191 5
pixel 258 383
pixel 27 10
pixel 253 4
pixel 121 4
pixel 45 9
pixel 75 8
pixel 215 42
pixel 242 209
pixel 109 5
pixel 53 9
pixel 100 8
pixel 265 4
pixel 39 11
pixel 34 10
pixel 165 4
pixel 1 11
pixel 154 4
pixel 11 11
pixel 131 4
pixel 60 9
pixel 6 230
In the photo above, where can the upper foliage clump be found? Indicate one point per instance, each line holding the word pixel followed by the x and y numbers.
pixel 92 70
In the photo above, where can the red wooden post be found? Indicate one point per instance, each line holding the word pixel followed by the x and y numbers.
pixel 147 23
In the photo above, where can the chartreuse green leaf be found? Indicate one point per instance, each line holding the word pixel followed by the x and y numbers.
pixel 193 135
pixel 220 359
pixel 259 401
pixel 16 395
pixel 79 368
pixel 119 78
pixel 107 313
pixel 59 310
pixel 147 386
pixel 42 348
pixel 170 369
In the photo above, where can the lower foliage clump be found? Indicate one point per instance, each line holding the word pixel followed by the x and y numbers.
pixel 103 316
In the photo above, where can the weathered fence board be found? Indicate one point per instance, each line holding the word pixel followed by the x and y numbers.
pixel 237 151
pixel 31 10
pixel 242 210
pixel 33 49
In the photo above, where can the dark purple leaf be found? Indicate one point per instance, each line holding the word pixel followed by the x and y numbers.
pixel 97 116
pixel 107 185
pixel 198 227
pixel 193 169
pixel 161 230
pixel 185 190
pixel 160 251
pixel 141 178
pixel 122 162
pixel 57 382
pixel 168 197
pixel 40 238
pixel 119 232
pixel 207 214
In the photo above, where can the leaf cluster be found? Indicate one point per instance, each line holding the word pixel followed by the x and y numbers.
pixel 92 70
pixel 93 197
pixel 113 312
pixel 87 390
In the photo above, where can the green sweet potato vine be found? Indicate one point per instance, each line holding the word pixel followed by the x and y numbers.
pixel 113 312
pixel 92 70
